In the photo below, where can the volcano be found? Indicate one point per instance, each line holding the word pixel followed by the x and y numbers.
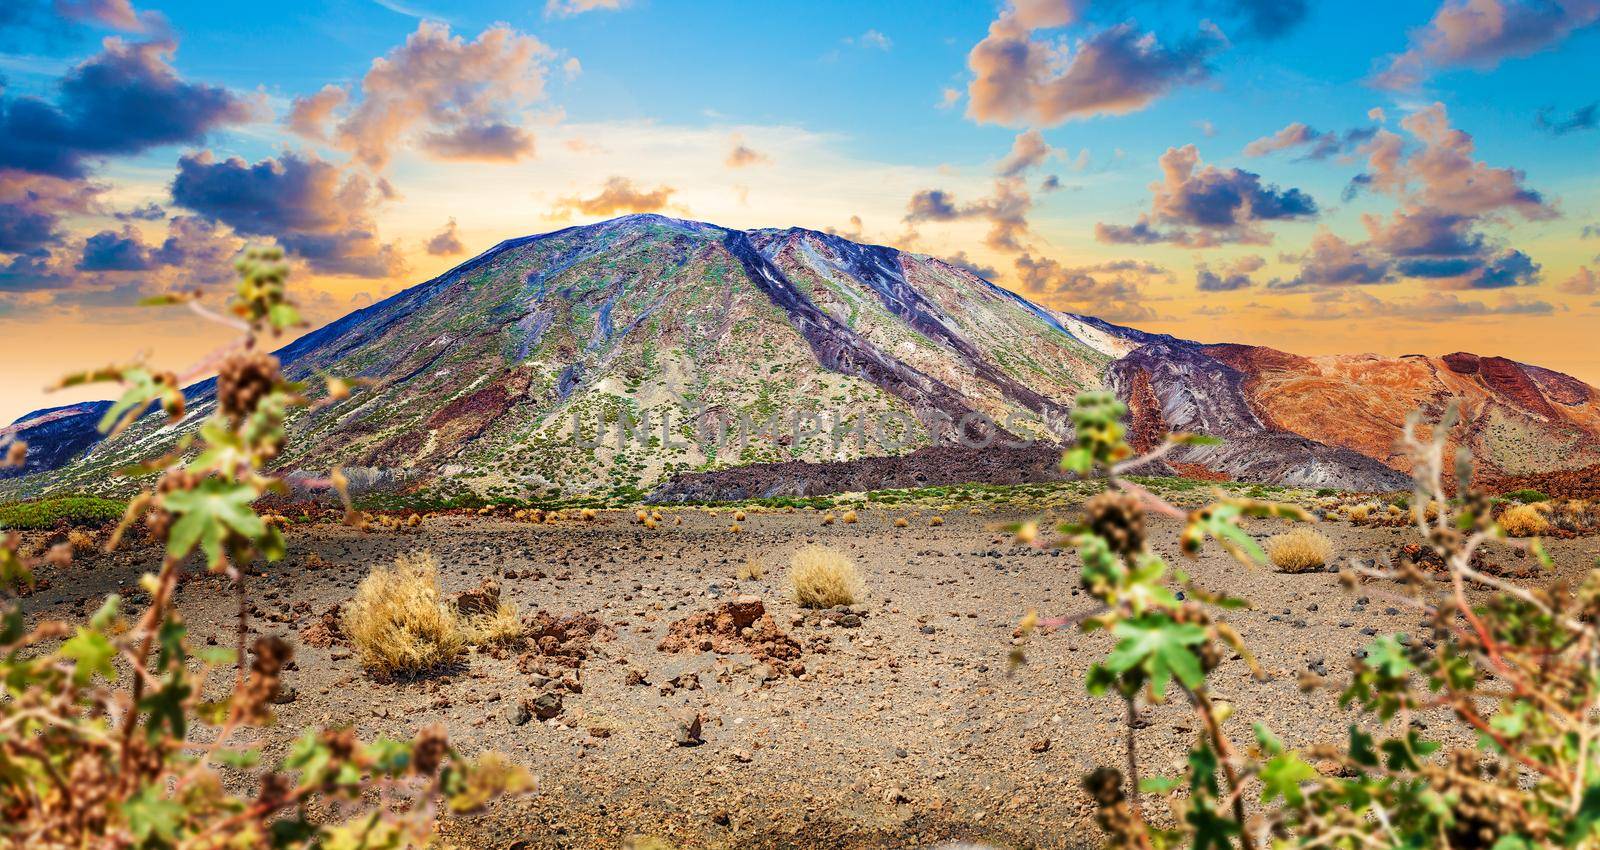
pixel 648 353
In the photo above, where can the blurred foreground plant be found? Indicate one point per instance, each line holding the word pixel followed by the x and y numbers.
pixel 1517 670
pixel 107 735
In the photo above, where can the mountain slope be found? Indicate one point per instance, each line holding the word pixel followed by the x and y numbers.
pixel 521 370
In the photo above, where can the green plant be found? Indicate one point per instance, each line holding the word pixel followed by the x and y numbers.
pixel 1514 668
pixel 42 514
pixel 110 737
pixel 1527 496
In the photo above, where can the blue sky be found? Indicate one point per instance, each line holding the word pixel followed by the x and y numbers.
pixel 888 121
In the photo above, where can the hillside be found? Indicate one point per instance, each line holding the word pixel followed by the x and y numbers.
pixel 708 344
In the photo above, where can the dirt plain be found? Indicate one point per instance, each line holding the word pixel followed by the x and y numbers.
pixel 905 728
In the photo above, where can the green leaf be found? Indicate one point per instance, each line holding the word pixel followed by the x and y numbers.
pixel 1282 775
pixel 93 652
pixel 1159 784
pixel 207 514
pixel 1160 647
pixel 150 815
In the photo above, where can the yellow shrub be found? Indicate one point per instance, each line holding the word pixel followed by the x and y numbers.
pixel 750 569
pixel 735 528
pixel 1525 520
pixel 901 522
pixel 587 514
pixel 935 521
pixel 849 517
pixel 738 516
pixel 827 519
pixel 641 515
pixel 822 577
pixel 397 621
pixel 1299 550
pixel 503 626
pixel 1358 513
pixel 80 541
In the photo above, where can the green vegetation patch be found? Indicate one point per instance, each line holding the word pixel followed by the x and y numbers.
pixel 72 510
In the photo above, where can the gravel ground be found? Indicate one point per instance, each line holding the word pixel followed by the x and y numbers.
pixel 904 730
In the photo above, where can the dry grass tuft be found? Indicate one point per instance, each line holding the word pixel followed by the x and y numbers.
pixel 1299 550
pixel 735 528
pixel 935 521
pixel 738 516
pixel 849 517
pixel 649 523
pixel 641 515
pixel 504 626
pixel 822 577
pixel 398 622
pixel 750 569
pixel 81 541
pixel 827 519
pixel 1525 520
pixel 901 522
pixel 1358 513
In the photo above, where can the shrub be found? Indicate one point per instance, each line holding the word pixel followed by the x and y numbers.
pixel 1527 496
pixel 398 622
pixel 738 516
pixel 827 519
pixel 1299 550
pixel 126 734
pixel 1358 513
pixel 41 514
pixel 935 521
pixel 1504 665
pixel 822 577
pixel 501 626
pixel 849 517
pixel 81 541
pixel 752 568
pixel 902 522
pixel 1526 520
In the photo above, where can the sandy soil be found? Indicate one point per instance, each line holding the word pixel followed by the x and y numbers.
pixel 904 730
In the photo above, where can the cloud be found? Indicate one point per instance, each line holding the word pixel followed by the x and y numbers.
pixel 446 242
pixel 568 8
pixel 854 233
pixel 1206 205
pixel 617 196
pixel 1444 171
pixel 1006 211
pixel 1482 33
pixel 1021 79
pixel 124 100
pixel 309 115
pixel 149 211
pixel 1331 261
pixel 1318 144
pixel 743 156
pixel 1230 277
pixel 31 208
pixel 948 98
pixel 314 209
pixel 453 97
pixel 1266 18
pixel 871 39
pixel 1112 290
pixel 488 142
pixel 961 261
pixel 110 250
pixel 110 14
pixel 1584 281
pixel 1429 306
pixel 1029 149
pixel 1582 118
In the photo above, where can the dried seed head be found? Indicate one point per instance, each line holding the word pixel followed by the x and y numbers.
pixel 243 380
pixel 1119 519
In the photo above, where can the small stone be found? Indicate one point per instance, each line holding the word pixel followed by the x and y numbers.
pixel 519 714
pixel 285 695
pixel 546 705
pixel 1039 746
pixel 686 729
